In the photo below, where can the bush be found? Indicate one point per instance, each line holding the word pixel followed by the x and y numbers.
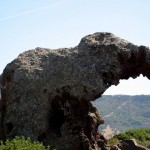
pixel 142 136
pixel 20 143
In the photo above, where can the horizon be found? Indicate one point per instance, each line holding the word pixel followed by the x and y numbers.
pixel 62 23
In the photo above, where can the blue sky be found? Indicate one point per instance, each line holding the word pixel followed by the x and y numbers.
pixel 28 24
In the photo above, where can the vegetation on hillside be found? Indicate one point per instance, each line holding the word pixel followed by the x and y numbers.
pixel 21 144
pixel 142 136
pixel 124 112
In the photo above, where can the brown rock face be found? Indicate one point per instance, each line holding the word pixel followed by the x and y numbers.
pixel 131 145
pixel 46 93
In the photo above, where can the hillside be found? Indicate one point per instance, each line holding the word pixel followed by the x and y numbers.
pixel 123 112
pixel 141 136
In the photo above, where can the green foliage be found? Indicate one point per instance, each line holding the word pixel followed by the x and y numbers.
pixel 21 144
pixel 113 141
pixel 142 136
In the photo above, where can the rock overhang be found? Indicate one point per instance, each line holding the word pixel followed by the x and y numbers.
pixel 46 93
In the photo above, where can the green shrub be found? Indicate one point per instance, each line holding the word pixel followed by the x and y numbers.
pixel 142 136
pixel 20 143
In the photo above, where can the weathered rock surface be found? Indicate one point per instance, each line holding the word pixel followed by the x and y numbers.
pixel 114 147
pixel 131 145
pixel 46 93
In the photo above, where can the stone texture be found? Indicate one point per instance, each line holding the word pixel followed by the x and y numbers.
pixel 131 145
pixel 127 145
pixel 114 147
pixel 46 93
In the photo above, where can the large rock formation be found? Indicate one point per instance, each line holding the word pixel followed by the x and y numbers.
pixel 46 93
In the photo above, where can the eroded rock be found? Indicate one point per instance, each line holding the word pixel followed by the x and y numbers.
pixel 131 145
pixel 46 93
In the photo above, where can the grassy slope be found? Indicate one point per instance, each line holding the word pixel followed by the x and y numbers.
pixel 142 136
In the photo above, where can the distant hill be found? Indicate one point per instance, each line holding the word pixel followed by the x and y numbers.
pixel 123 112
